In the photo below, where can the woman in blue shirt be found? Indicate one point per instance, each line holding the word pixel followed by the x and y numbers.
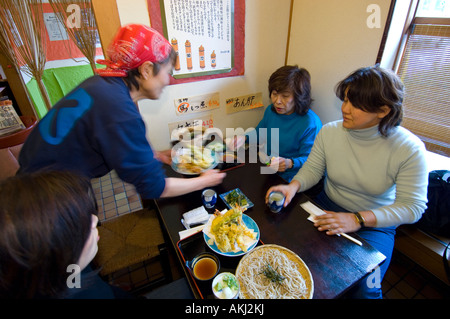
pixel 291 118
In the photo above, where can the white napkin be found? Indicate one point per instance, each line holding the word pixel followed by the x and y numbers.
pixel 312 209
pixel 198 215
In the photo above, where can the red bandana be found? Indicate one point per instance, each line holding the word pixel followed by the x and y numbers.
pixel 133 45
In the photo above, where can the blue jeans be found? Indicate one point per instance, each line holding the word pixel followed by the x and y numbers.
pixel 381 239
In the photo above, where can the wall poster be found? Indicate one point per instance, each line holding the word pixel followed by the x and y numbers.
pixel 207 34
pixel 202 34
pixel 59 45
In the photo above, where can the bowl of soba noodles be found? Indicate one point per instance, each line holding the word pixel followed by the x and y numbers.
pixel 274 272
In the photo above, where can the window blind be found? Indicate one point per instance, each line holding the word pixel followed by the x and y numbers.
pixel 425 71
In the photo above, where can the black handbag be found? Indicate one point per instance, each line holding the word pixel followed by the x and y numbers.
pixel 436 218
pixel 446 262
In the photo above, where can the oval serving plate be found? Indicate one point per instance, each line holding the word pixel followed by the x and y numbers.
pixel 176 168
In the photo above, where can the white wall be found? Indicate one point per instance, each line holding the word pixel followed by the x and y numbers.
pixel 266 29
pixel 133 11
pixel 330 38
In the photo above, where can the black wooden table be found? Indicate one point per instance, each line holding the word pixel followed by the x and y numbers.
pixel 336 263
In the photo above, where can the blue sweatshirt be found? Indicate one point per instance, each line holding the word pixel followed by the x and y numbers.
pixel 296 137
pixel 94 129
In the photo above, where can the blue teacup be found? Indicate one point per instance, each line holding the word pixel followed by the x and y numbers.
pixel 276 201
pixel 209 198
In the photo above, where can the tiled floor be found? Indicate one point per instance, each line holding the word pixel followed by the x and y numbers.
pixel 405 280
pixel 139 275
pixel 115 197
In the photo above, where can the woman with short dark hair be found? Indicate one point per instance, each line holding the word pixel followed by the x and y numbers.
pixel 296 81
pixel 375 170
pixel 290 116
pixel 371 89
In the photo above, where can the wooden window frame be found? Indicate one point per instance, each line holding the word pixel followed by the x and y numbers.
pixel 411 21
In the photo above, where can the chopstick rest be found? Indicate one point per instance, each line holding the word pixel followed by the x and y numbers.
pixel 314 211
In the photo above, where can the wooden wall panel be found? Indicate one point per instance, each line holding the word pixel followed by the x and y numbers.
pixel 108 20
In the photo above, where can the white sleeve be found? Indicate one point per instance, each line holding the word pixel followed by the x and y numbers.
pixel 411 191
pixel 312 171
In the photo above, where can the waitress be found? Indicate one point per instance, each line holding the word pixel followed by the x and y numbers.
pixel 97 127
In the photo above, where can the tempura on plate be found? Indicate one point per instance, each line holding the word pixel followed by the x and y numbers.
pixel 230 231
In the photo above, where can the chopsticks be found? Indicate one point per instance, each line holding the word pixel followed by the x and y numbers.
pixel 356 241
pixel 314 211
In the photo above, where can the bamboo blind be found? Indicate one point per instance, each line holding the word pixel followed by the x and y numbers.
pixel 425 71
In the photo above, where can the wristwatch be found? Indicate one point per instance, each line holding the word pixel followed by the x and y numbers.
pixel 292 161
pixel 359 219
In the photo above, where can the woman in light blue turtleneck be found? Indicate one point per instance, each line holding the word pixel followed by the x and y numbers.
pixel 373 168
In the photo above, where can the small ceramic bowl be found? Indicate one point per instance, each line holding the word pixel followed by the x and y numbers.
pixel 225 292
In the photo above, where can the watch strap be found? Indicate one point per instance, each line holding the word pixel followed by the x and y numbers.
pixel 359 219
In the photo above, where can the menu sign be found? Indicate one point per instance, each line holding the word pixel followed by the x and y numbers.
pixel 196 104
pixel 201 32
pixel 206 121
pixel 244 103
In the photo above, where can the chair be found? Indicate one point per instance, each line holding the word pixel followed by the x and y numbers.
pixel 10 147
pixel 8 161
pixel 19 137
pixel 132 243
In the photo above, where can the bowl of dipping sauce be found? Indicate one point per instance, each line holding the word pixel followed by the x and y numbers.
pixel 225 286
pixel 204 266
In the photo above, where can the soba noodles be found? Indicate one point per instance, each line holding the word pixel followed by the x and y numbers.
pixel 255 285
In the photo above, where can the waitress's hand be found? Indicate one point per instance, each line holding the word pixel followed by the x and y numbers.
pixel 335 223
pixel 288 190
pixel 164 156
pixel 212 177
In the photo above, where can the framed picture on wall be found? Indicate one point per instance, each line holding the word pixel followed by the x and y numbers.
pixel 208 36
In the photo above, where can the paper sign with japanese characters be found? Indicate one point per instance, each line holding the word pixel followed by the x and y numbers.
pixel 198 103
pixel 243 103
pixel 201 32
pixel 204 121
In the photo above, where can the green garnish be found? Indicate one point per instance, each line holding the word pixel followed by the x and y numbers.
pixel 272 274
pixel 236 198
pixel 218 286
pixel 230 281
pixel 226 281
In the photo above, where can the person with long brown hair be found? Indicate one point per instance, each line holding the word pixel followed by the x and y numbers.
pixel 48 237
